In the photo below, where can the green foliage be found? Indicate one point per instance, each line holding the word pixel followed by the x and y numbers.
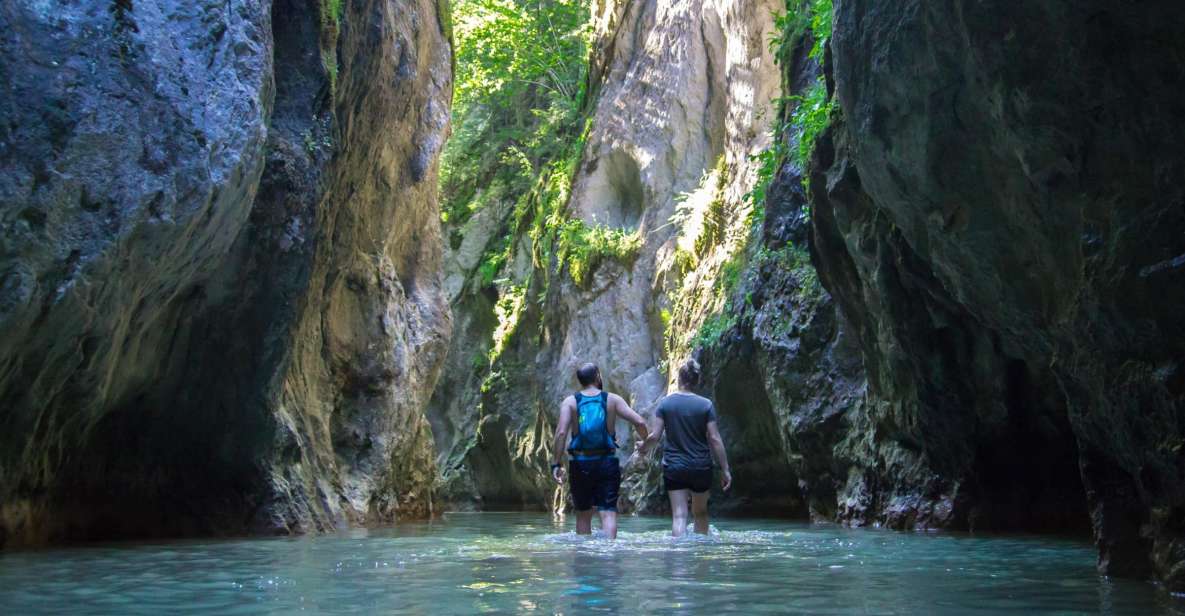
pixel 812 111
pixel 517 95
pixel 331 20
pixel 797 260
pixel 491 263
pixel 713 329
pixel 769 161
pixel 507 48
pixel 728 280
pixel 820 23
pixel 582 247
pixel 685 261
pixel 811 117
pixel 801 17
pixel 541 214
pixel 716 216
pixel 508 310
pixel 729 277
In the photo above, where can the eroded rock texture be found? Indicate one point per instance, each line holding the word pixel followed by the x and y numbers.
pixel 219 268
pixel 1001 218
pixel 680 88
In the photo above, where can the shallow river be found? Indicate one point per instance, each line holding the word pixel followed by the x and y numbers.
pixel 489 562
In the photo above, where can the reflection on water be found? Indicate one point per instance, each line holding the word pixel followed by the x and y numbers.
pixel 489 562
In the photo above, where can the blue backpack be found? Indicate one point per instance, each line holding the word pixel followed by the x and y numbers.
pixel 591 429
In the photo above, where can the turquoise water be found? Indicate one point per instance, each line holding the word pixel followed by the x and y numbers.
pixel 489 562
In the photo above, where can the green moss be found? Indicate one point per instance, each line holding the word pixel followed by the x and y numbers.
pixel 581 248
pixel 797 260
pixel 685 261
pixel 729 277
pixel 716 217
pixel 509 310
pixel 713 329
pixel 331 20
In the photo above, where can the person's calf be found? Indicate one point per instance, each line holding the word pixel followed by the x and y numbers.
pixel 678 525
pixel 609 524
pixel 584 522
pixel 699 509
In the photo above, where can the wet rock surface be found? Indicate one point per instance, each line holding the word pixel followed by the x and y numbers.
pixel 1000 220
pixel 219 266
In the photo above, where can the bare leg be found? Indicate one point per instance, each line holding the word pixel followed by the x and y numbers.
pixel 609 523
pixel 584 522
pixel 678 511
pixel 699 509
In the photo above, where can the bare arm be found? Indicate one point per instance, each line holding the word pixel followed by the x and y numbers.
pixel 717 445
pixel 654 437
pixel 559 443
pixel 631 416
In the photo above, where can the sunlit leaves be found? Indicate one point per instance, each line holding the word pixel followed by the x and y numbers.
pixel 520 76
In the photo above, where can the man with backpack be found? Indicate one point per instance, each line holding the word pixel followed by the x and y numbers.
pixel 590 415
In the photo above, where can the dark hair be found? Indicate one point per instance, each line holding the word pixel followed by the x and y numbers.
pixel 588 375
pixel 690 373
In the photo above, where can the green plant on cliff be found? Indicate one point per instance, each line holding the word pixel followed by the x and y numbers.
pixel 331 22
pixel 716 214
pixel 769 161
pixel 582 247
pixel 807 114
pixel 801 17
pixel 713 329
pixel 508 310
pixel 810 118
pixel 517 96
pixel 797 260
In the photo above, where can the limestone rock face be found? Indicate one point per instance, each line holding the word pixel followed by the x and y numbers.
pixel 679 88
pixel 220 301
pixel 1001 220
pixel 788 378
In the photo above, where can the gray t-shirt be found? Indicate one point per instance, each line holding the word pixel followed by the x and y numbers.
pixel 685 417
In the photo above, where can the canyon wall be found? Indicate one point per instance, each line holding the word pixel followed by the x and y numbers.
pixel 680 97
pixel 969 320
pixel 999 214
pixel 224 304
pixel 220 299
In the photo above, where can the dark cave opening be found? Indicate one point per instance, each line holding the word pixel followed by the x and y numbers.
pixel 1026 475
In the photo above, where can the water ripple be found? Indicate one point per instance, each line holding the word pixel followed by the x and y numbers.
pixel 524 563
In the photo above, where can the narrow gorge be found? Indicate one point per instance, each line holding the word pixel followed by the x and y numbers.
pixel 286 267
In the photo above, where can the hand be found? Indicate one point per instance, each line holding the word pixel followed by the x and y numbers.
pixel 557 473
pixel 725 480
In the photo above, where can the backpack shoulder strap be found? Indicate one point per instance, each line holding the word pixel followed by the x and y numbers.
pixel 576 416
pixel 610 419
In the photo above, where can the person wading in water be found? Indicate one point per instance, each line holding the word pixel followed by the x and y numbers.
pixel 591 415
pixel 693 440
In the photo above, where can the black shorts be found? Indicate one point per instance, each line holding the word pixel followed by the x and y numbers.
pixel 594 483
pixel 696 480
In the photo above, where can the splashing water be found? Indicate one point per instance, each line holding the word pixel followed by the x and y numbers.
pixel 466 563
